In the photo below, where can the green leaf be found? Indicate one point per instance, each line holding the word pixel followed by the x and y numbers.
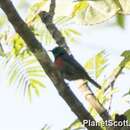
pixel 74 125
pixel 126 94
pixel 70 34
pixel 126 54
pixel 1 51
pixel 79 6
pixel 29 93
pixel 38 5
pixel 18 44
pixel 35 82
pixel 125 6
pixel 120 20
pixel 34 10
pixel 96 11
pixel 126 61
pixel 62 23
pixel 62 20
pixel 97 63
pixel 2 20
pixel 127 114
pixel 25 73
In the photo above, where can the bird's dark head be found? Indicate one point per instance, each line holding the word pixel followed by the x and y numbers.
pixel 57 51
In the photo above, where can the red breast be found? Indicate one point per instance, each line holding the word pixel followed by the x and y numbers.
pixel 59 62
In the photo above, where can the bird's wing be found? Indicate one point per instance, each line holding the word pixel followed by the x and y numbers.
pixel 70 60
pixel 75 70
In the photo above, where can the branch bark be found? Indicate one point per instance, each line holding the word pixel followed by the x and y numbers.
pixel 52 8
pixel 111 84
pixel 90 97
pixel 47 19
pixel 40 53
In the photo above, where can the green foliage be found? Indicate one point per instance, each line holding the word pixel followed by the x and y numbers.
pixel 126 61
pixel 18 45
pixel 32 14
pixel 40 30
pixel 62 23
pixel 25 72
pixel 2 20
pixel 126 54
pixel 96 11
pixel 126 94
pixel 111 77
pixel 127 114
pixel 126 64
pixel 76 125
pixel 124 6
pixel 68 32
pixel 97 63
pixel 79 6
pixel 123 64
pixel 22 69
pixel 93 12
pixel 45 127
pixel 35 8
pixel 120 20
pixel 1 51
pixel 103 99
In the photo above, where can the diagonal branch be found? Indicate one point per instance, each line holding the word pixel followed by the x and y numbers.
pixel 40 53
pixel 112 83
pixel 121 67
pixel 54 31
pixel 1 50
pixel 93 101
pixel 47 19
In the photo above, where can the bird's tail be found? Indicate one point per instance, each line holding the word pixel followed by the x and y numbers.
pixel 94 83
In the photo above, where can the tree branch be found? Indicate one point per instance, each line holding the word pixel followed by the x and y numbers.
pixel 52 8
pixel 47 19
pixel 1 50
pixel 111 84
pixel 40 53
pixel 94 102
pixel 120 68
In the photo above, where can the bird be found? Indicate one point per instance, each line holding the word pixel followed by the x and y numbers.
pixel 121 117
pixel 68 66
